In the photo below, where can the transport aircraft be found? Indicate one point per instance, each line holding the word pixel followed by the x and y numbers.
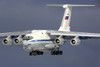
pixel 36 42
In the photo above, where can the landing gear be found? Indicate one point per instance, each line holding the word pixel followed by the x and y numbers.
pixel 35 53
pixel 56 52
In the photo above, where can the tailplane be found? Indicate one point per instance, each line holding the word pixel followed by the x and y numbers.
pixel 65 24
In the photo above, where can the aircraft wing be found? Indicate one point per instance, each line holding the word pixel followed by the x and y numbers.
pixel 74 34
pixel 3 35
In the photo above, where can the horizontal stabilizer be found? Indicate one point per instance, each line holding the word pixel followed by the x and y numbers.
pixel 65 5
pixel 65 24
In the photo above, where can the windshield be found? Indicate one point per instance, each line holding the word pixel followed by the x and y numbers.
pixel 27 37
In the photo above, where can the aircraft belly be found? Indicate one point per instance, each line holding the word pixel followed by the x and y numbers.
pixel 41 46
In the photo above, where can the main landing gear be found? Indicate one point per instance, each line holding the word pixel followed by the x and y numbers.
pixel 35 53
pixel 56 52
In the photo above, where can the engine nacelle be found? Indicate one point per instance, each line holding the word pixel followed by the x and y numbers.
pixel 60 41
pixel 75 41
pixel 8 41
pixel 18 40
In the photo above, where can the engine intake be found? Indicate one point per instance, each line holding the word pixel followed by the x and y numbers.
pixel 75 41
pixel 5 41
pixel 8 41
pixel 18 40
pixel 60 41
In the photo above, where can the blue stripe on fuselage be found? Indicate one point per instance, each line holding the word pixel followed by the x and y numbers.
pixel 41 40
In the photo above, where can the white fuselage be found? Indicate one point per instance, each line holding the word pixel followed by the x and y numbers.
pixel 40 41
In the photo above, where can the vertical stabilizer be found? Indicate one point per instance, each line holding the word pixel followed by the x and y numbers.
pixel 65 24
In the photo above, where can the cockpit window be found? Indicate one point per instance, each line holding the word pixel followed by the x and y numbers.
pixel 27 37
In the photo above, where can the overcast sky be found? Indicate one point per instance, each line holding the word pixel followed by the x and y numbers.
pixel 18 15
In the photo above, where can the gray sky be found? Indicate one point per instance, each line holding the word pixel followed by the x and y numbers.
pixel 17 15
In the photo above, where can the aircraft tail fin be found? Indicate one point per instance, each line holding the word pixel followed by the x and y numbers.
pixel 65 24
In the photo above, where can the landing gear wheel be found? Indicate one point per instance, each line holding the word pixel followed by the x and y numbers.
pixel 60 52
pixel 30 53
pixel 35 53
pixel 38 52
pixel 41 53
pixel 51 52
pixel 56 52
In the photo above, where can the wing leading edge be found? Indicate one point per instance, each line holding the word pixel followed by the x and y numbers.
pixel 74 34
pixel 3 35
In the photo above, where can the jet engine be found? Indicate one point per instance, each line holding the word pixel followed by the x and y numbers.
pixel 75 41
pixel 60 41
pixel 18 40
pixel 8 41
